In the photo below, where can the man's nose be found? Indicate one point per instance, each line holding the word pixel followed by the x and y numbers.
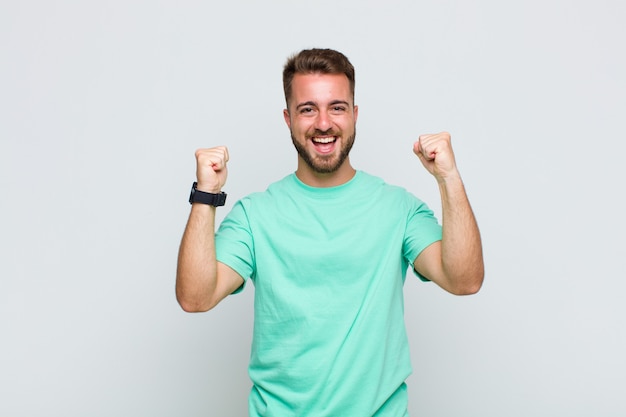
pixel 323 121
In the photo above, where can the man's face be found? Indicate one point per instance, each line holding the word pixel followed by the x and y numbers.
pixel 322 117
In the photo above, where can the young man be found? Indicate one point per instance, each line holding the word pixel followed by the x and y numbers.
pixel 327 248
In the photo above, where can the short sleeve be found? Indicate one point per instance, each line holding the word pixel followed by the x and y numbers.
pixel 422 230
pixel 234 245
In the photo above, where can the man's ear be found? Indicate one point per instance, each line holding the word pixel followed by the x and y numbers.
pixel 356 113
pixel 287 118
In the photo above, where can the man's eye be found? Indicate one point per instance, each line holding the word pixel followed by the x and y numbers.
pixel 305 110
pixel 339 109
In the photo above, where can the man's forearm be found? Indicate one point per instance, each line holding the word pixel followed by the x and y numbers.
pixel 461 248
pixel 196 275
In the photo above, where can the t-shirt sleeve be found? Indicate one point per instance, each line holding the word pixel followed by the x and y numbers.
pixel 234 245
pixel 422 230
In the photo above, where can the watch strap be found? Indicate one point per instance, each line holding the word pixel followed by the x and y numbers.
pixel 212 199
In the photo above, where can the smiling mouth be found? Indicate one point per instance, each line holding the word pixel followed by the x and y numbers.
pixel 324 145
pixel 324 140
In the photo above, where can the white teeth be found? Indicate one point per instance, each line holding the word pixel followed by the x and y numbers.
pixel 323 140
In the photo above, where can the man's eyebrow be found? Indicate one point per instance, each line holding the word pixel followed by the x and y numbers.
pixel 306 103
pixel 332 103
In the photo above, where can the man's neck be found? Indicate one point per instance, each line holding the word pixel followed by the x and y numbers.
pixel 324 180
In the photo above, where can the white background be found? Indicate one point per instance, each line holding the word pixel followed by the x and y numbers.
pixel 102 105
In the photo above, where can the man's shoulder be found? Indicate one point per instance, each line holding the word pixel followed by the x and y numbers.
pixel 275 190
pixel 376 182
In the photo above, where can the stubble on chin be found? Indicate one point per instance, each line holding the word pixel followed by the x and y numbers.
pixel 324 164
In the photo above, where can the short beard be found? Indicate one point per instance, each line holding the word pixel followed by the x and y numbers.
pixel 323 165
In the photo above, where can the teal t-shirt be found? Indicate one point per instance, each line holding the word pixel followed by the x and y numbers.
pixel 328 266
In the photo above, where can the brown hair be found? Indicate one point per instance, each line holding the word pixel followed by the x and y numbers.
pixel 316 61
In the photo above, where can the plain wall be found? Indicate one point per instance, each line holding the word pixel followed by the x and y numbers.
pixel 102 105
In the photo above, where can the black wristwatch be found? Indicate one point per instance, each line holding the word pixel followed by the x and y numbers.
pixel 198 196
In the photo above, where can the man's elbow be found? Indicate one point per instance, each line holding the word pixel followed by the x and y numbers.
pixel 467 290
pixel 470 285
pixel 192 305
pixel 193 308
